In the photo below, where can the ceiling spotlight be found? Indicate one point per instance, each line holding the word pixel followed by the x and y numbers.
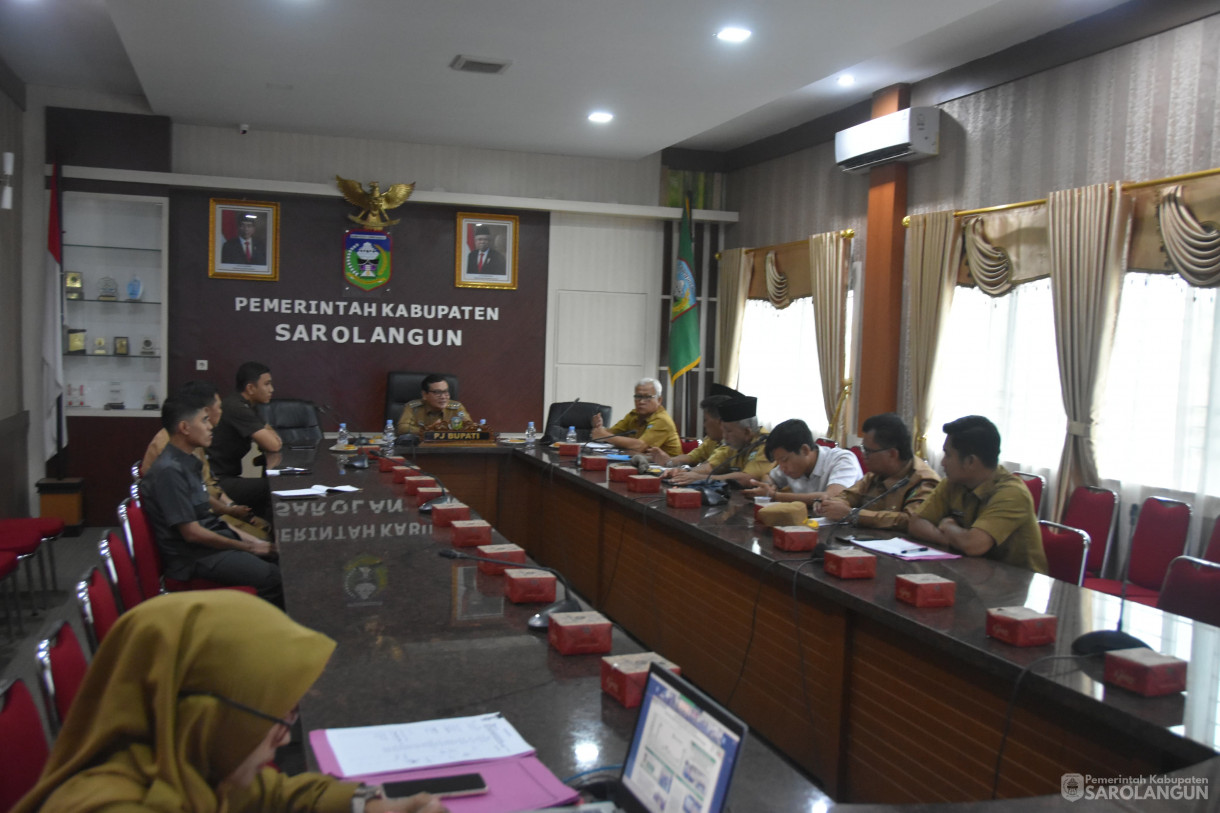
pixel 733 34
pixel 600 117
pixel 846 80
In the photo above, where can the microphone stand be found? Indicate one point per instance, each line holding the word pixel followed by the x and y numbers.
pixel 1099 642
pixel 581 448
pixel 558 421
pixel 541 619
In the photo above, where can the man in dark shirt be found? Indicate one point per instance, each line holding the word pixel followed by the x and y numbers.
pixel 240 425
pixel 194 543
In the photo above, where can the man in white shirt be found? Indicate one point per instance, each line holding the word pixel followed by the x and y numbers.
pixel 804 471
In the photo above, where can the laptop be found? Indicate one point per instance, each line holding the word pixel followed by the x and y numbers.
pixel 682 755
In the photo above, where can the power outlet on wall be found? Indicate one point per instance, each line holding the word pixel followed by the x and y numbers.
pixel 201 364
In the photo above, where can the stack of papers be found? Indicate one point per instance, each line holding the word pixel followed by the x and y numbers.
pixel 486 744
pixel 903 549
pixel 312 491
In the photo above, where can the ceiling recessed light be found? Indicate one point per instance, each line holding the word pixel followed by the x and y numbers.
pixel 733 34
pixel 600 117
pixel 846 80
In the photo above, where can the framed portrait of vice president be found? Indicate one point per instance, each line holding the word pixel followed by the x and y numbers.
pixel 486 251
pixel 245 240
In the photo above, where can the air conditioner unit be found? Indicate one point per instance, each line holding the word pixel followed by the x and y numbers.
pixel 907 135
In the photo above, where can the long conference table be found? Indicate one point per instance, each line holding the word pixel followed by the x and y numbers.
pixel 875 701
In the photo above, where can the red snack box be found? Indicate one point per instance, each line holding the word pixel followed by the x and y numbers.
pixel 683 498
pixel 850 563
pixel 388 463
pixel 621 473
pixel 624 676
pixel 412 484
pixel 524 585
pixel 594 463
pixel 1021 626
pixel 568 449
pixel 644 483
pixel 424 494
pixel 444 513
pixel 794 537
pixel 584 633
pixel 1145 672
pixel 470 532
pixel 509 552
pixel 401 472
pixel 925 590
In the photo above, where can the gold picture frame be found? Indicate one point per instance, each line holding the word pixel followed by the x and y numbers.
pixel 245 240
pixel 498 268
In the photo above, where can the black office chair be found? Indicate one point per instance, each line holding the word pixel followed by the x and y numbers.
pixel 295 419
pixel 402 386
pixel 563 414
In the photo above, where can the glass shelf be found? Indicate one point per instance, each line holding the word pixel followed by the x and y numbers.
pixel 120 301
pixel 112 248
pixel 109 356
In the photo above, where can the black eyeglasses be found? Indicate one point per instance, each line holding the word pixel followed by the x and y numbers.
pixel 869 452
pixel 287 723
pixel 438 392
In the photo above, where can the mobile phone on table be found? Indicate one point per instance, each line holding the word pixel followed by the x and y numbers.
pixel 462 784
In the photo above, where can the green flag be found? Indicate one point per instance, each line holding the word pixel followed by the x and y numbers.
pixel 684 313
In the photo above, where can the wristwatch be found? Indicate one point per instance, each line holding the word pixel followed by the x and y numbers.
pixel 362 796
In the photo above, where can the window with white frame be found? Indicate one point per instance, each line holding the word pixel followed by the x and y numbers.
pixel 779 363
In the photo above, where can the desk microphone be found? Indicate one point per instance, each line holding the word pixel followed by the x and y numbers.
pixel 426 507
pixel 357 439
pixel 581 448
pixel 546 439
pixel 851 517
pixel 1098 642
pixel 541 619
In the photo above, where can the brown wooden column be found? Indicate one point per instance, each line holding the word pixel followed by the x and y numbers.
pixel 881 323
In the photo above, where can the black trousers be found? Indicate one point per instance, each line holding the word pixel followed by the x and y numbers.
pixel 237 567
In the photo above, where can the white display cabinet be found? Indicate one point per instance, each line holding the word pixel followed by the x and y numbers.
pixel 123 238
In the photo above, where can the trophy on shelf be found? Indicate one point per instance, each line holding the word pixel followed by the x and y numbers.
pixel 99 346
pixel 147 348
pixel 107 289
pixel 135 289
pixel 76 341
pixel 116 396
pixel 120 345
pixel 74 285
pixel 150 399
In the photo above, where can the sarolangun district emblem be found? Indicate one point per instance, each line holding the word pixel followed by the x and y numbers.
pixel 366 258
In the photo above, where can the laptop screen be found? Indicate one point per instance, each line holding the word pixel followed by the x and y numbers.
pixel 684 750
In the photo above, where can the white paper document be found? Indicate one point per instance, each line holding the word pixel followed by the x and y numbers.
pixel 383 748
pixel 903 548
pixel 312 491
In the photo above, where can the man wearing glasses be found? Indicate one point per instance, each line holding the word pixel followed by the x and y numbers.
pixel 433 405
pixel 890 459
pixel 649 423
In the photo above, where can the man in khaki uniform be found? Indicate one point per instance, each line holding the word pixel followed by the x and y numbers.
pixel 746 458
pixel 980 508
pixel 710 450
pixel 433 405
pixel 649 423
pixel 890 460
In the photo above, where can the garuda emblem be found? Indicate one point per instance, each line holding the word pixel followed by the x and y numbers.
pixel 374 203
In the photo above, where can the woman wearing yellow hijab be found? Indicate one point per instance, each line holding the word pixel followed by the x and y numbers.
pixel 182 707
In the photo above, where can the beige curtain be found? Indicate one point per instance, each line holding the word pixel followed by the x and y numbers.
pixel 829 256
pixel 735 266
pixel 934 245
pixel 1192 248
pixel 990 265
pixel 1090 232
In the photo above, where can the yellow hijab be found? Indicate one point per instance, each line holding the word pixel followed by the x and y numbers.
pixel 130 737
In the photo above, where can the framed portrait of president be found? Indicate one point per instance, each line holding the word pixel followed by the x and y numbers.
pixel 245 240
pixel 486 252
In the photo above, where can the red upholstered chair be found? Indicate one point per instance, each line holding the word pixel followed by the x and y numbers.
pixel 147 558
pixel 48 530
pixel 25 542
pixel 1093 510
pixel 8 589
pixel 1212 554
pixel 827 442
pixel 23 741
pixel 99 609
pixel 1066 551
pixel 858 451
pixel 120 569
pixel 689 444
pixel 1159 538
pixel 1192 589
pixel 61 668
pixel 1036 484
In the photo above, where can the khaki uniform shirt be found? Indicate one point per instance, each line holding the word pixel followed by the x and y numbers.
pixel 417 414
pixel 894 510
pixel 656 429
pixel 751 459
pixel 1003 508
pixel 712 452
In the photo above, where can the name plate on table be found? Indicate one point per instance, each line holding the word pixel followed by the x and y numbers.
pixel 447 435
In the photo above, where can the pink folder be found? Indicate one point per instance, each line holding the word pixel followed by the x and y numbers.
pixel 513 783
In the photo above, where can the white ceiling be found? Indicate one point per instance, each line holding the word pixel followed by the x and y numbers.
pixel 379 68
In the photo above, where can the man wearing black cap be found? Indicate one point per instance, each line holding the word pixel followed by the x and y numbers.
pixel 746 460
pixel 484 259
pixel 710 450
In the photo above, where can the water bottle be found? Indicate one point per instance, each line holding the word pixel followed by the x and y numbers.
pixel 343 438
pixel 531 435
pixel 387 438
pixel 571 438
